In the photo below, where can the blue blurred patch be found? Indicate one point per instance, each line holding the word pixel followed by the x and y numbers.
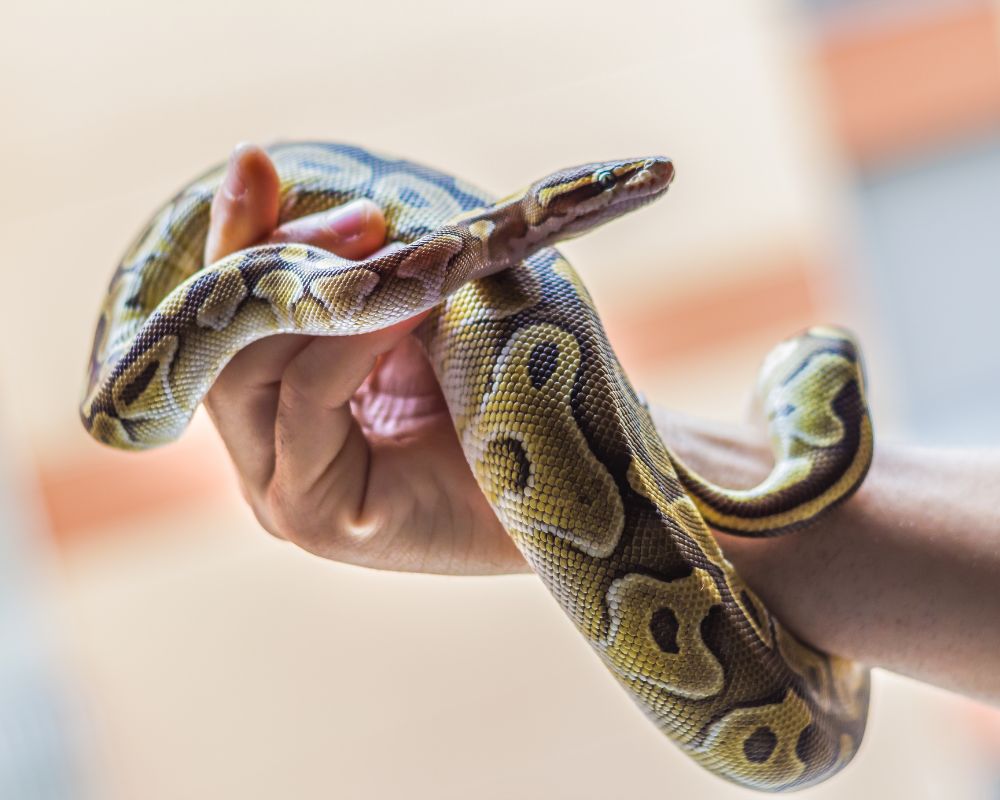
pixel 39 759
pixel 931 241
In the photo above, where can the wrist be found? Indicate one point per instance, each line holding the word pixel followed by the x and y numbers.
pixel 731 456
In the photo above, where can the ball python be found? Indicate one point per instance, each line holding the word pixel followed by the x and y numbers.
pixel 560 443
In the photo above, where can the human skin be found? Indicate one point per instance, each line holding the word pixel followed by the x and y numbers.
pixel 344 447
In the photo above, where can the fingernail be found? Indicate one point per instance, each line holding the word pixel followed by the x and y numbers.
pixel 349 221
pixel 234 187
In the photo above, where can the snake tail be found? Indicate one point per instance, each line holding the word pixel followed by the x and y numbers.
pixel 812 392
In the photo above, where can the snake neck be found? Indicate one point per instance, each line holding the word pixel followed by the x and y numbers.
pixel 519 225
pixel 507 235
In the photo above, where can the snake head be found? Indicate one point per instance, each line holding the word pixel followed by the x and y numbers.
pixel 572 201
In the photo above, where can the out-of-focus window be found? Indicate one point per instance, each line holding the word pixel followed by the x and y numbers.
pixel 38 759
pixel 931 240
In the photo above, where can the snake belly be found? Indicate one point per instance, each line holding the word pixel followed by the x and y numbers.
pixel 560 443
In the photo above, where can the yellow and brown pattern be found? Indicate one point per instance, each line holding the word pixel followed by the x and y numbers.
pixel 560 443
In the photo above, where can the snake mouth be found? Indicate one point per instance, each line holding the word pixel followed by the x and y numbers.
pixel 654 178
pixel 592 219
pixel 644 186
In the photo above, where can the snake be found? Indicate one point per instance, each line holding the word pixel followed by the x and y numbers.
pixel 617 527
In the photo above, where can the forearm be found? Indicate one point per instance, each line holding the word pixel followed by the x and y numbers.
pixel 904 575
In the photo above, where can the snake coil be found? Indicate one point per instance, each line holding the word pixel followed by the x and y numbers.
pixel 560 443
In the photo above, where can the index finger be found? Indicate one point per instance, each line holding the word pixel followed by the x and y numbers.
pixel 243 401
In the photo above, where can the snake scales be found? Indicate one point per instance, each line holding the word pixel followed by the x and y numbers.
pixel 560 443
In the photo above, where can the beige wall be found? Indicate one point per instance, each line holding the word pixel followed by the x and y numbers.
pixel 217 663
pixel 223 664
pixel 109 110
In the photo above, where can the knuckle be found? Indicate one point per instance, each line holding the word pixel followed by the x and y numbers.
pixel 295 517
pixel 284 509
pixel 260 508
pixel 299 382
pixel 295 390
pixel 305 384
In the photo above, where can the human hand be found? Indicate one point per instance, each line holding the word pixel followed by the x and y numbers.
pixel 343 444
pixel 344 447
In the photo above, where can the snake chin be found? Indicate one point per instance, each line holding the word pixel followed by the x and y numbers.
pixel 579 225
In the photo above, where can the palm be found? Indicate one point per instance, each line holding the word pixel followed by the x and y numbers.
pixel 421 493
pixel 379 481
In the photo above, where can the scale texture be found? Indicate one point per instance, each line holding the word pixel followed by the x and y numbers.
pixel 559 442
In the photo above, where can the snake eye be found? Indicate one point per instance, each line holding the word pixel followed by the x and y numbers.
pixel 606 178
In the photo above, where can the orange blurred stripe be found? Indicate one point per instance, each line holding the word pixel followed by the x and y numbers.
pixel 760 297
pixel 922 80
pixel 102 488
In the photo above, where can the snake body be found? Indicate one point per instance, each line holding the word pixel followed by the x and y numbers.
pixel 560 443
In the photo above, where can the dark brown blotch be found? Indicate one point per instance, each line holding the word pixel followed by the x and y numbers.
pixel 542 363
pixel 759 745
pixel 664 628
pixel 134 388
pixel 509 462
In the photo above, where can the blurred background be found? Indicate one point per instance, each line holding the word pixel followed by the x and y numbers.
pixel 838 161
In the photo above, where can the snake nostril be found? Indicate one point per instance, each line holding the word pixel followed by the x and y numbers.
pixel 659 169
